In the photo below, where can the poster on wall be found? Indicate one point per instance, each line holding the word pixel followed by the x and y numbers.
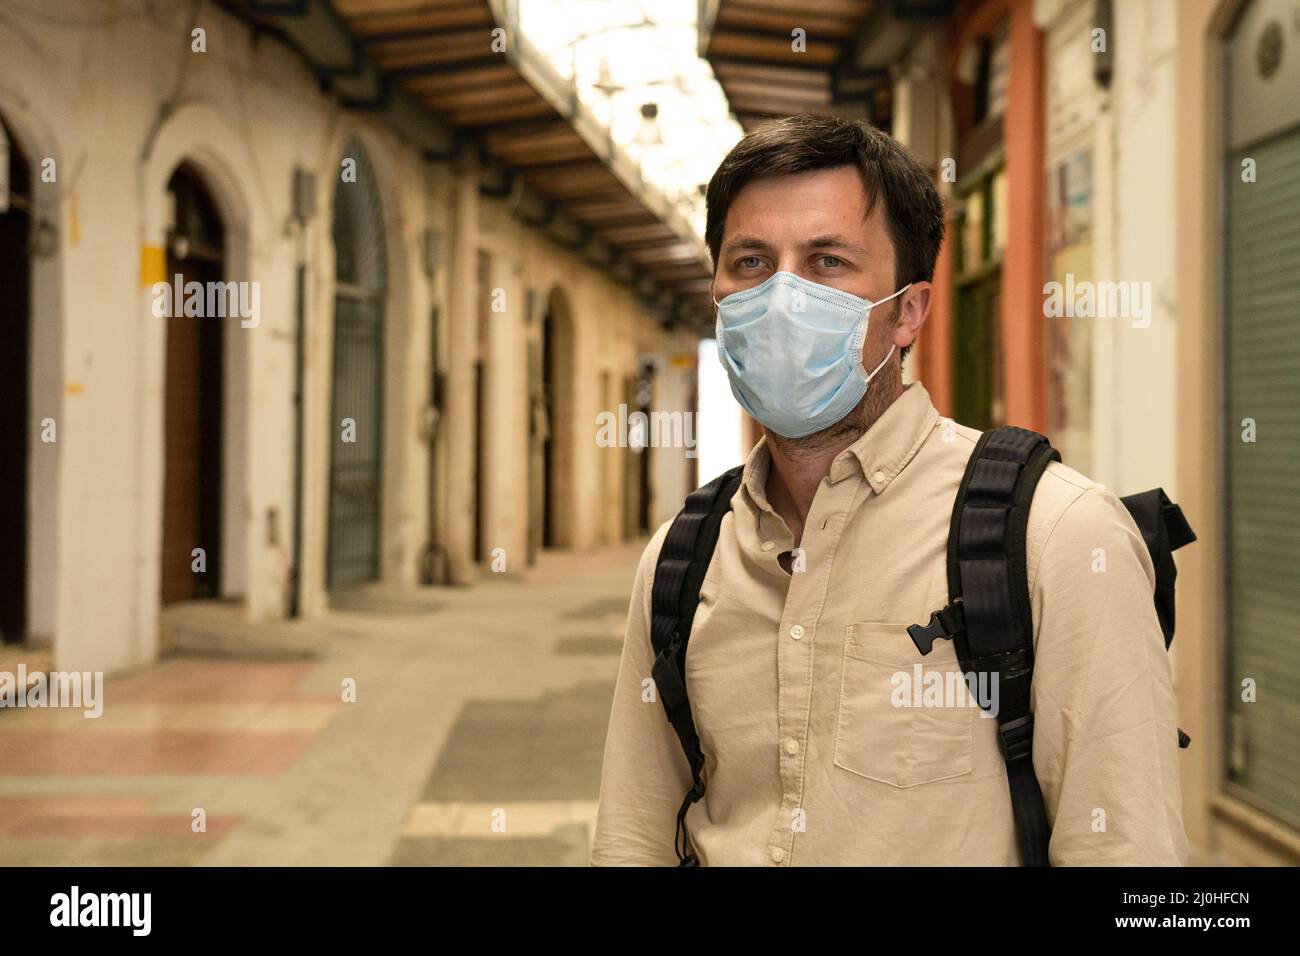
pixel 1068 340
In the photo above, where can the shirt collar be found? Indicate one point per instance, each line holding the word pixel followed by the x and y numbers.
pixel 879 455
pixel 754 477
pixel 893 440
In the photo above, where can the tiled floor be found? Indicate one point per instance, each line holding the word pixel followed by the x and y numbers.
pixel 541 753
pixel 475 737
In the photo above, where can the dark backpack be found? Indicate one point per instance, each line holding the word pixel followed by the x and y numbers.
pixel 988 620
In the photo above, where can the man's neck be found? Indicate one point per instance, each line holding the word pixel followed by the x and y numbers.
pixel 799 464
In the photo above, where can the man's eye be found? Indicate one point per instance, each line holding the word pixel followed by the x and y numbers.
pixel 749 262
pixel 832 262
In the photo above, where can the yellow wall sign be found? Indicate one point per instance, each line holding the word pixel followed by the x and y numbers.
pixel 153 265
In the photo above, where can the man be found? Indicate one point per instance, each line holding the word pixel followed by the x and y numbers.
pixel 836 541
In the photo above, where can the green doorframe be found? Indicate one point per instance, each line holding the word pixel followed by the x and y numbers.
pixel 977 345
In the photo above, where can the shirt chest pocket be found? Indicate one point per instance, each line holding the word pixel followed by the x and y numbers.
pixel 903 719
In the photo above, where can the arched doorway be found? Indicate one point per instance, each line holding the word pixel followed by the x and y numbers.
pixel 15 382
pixel 356 406
pixel 194 379
pixel 556 439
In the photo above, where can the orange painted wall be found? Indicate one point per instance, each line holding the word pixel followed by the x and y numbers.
pixel 1024 258
pixel 1023 262
pixel 934 344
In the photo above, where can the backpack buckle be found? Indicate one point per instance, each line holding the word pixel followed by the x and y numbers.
pixel 1017 737
pixel 948 621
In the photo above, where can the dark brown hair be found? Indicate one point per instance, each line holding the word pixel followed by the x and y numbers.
pixel 914 218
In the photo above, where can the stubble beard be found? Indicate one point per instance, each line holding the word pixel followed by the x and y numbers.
pixel 885 386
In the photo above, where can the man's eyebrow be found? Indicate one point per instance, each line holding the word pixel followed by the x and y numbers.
pixel 825 241
pixel 834 240
pixel 745 242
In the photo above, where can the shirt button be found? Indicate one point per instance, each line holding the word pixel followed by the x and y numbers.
pixel 797 631
pixel 768 545
pixel 878 477
pixel 778 854
pixel 792 747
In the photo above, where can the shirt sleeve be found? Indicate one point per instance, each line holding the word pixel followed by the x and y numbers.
pixel 644 776
pixel 1105 716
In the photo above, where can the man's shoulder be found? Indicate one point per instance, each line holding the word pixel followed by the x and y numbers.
pixel 1075 516
pixel 1061 491
pixel 650 556
pixel 1058 488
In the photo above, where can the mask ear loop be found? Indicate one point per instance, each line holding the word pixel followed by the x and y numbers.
pixel 880 366
pixel 867 377
pixel 894 296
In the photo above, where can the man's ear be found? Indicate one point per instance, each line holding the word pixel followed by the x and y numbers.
pixel 913 310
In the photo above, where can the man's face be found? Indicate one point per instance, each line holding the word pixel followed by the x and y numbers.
pixel 814 225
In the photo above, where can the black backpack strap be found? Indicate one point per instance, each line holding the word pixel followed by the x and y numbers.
pixel 1164 530
pixel 679 572
pixel 988 616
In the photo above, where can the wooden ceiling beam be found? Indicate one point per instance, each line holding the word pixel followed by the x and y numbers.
pixel 370 21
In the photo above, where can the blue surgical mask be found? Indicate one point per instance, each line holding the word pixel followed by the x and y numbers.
pixel 793 352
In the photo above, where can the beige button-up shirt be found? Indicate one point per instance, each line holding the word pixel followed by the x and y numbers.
pixel 796 681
